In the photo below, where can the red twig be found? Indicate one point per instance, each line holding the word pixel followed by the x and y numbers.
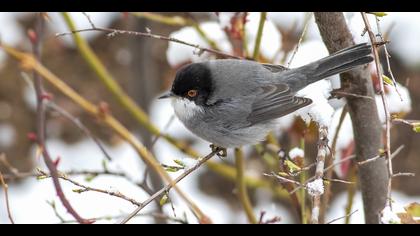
pixel 41 125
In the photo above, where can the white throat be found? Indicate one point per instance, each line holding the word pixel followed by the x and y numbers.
pixel 185 109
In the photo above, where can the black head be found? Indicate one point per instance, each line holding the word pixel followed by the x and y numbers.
pixel 193 82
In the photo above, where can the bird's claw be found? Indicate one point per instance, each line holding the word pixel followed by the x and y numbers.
pixel 220 151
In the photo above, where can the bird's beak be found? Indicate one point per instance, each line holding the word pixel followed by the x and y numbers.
pixel 166 95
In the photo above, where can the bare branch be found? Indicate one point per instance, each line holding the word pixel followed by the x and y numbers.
pixel 302 35
pixel 85 188
pixel 385 105
pixel 403 174
pixel 168 187
pixel 41 125
pixel 342 217
pixel 114 32
pixel 6 197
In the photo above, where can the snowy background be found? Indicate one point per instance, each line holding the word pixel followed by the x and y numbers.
pixel 28 198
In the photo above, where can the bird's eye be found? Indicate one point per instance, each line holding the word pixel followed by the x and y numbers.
pixel 192 93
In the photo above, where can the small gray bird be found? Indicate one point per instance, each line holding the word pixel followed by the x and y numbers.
pixel 232 103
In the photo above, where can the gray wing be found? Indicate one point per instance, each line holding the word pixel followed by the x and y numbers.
pixel 275 101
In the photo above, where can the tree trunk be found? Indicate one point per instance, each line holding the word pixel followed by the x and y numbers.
pixel 364 115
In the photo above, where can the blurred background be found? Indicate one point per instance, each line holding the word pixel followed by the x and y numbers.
pixel 145 68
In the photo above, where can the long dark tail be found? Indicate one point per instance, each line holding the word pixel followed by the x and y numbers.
pixel 338 62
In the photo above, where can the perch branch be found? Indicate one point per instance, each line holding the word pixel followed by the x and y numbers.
pixel 172 184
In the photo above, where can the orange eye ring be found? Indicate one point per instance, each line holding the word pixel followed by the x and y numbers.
pixel 192 93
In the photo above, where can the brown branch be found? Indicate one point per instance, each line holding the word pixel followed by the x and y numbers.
pixel 385 105
pixel 342 217
pixel 363 113
pixel 80 125
pixel 84 188
pixel 305 28
pixel 172 184
pixel 41 124
pixel 387 56
pixel 114 32
pixel 6 197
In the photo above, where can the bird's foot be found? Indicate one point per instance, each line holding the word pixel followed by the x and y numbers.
pixel 221 151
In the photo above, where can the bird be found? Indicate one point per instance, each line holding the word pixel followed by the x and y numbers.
pixel 232 102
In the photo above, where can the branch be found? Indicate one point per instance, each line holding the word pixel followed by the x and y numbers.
pixel 363 113
pixel 172 184
pixel 342 217
pixel 76 121
pixel 318 185
pixel 241 187
pixel 6 197
pixel 385 104
pixel 115 32
pixel 41 125
pixel 305 28
pixel 85 188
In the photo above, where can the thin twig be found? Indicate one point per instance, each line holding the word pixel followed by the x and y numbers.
pixel 302 35
pixel 346 94
pixel 326 169
pixel 404 174
pixel 115 32
pixel 387 56
pixel 80 125
pixel 283 179
pixel 155 215
pixel 85 188
pixel 385 105
pixel 23 175
pixel 6 197
pixel 50 104
pixel 393 155
pixel 41 124
pixel 6 163
pixel 342 217
pixel 89 19
pixel 241 186
pixel 170 185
